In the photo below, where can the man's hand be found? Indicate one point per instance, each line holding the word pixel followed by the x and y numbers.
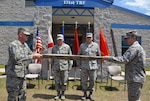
pixel 69 69
pixel 104 58
pixel 37 56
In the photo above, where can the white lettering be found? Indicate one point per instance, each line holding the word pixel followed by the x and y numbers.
pixel 67 2
pixel 78 2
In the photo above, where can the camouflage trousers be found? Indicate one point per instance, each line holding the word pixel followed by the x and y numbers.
pixel 61 78
pixel 134 91
pixel 16 88
pixel 85 75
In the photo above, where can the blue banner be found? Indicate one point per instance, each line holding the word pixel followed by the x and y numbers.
pixel 75 3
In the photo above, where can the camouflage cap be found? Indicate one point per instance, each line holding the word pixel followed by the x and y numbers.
pixel 60 36
pixel 131 34
pixel 24 31
pixel 89 35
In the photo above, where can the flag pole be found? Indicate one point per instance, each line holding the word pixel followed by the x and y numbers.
pixel 50 45
pixel 89 27
pixel 62 29
pixel 48 65
pixel 101 61
pixel 76 26
pixel 104 49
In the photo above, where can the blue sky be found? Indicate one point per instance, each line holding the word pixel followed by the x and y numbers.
pixel 141 6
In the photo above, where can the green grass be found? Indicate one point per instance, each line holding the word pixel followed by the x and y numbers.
pixel 102 93
pixel 146 69
pixel 2 66
pixel 1 73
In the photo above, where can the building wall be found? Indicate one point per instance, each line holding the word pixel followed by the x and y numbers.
pixel 15 10
pixel 105 17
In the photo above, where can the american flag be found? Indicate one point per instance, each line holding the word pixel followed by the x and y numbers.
pixel 38 45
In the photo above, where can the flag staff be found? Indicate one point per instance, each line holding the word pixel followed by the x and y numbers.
pixel 49 51
pixel 104 48
pixel 89 27
pixel 62 29
pixel 101 55
pixel 63 24
pixel 76 26
pixel 50 45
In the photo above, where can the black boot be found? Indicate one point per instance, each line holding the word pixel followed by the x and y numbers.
pixel 90 96
pixel 57 96
pixel 63 95
pixel 84 96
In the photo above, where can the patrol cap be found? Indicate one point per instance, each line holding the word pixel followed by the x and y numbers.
pixel 60 36
pixel 24 31
pixel 89 35
pixel 131 34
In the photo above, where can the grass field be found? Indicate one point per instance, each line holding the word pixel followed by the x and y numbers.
pixel 101 93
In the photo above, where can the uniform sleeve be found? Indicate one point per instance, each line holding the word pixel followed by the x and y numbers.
pixel 52 60
pixel 98 54
pixel 79 53
pixel 17 55
pixel 29 52
pixel 70 61
pixel 127 56
pixel 98 50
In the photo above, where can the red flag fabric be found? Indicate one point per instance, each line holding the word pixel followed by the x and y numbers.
pixel 76 42
pixel 38 45
pixel 50 41
pixel 103 44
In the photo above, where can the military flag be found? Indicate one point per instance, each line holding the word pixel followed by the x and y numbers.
pixel 76 41
pixel 103 44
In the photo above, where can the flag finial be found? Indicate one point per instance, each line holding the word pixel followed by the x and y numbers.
pixel 76 24
pixel 63 23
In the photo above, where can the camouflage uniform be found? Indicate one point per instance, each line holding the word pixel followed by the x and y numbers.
pixel 88 67
pixel 15 83
pixel 134 60
pixel 60 66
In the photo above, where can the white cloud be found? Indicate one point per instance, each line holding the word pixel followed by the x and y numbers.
pixel 148 13
pixel 144 5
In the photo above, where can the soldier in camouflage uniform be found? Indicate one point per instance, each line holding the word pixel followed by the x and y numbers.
pixel 88 67
pixel 134 60
pixel 18 50
pixel 60 67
